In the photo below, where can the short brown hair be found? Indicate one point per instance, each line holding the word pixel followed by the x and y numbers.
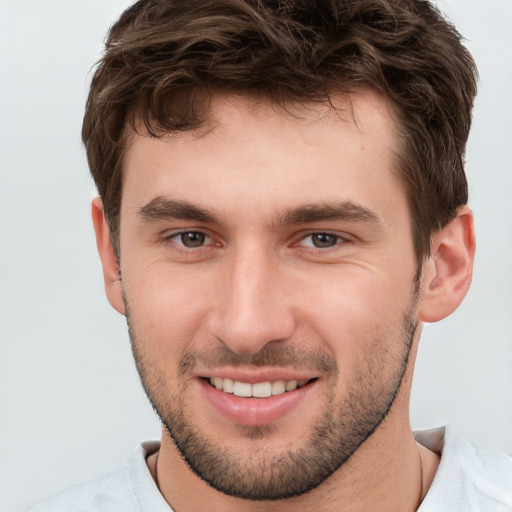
pixel 161 53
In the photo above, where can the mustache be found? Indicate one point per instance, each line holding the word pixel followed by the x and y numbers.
pixel 271 355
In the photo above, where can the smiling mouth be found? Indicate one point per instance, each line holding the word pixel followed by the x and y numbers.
pixel 258 389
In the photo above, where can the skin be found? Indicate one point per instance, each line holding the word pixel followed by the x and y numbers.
pixel 258 285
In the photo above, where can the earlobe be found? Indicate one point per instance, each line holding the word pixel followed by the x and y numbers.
pixel 109 262
pixel 448 271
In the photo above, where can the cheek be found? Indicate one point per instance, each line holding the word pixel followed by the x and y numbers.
pixel 167 307
pixel 353 308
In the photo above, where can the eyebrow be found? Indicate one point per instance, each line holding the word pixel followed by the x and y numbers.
pixel 162 208
pixel 346 210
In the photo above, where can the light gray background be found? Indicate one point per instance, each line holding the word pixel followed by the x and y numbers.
pixel 71 404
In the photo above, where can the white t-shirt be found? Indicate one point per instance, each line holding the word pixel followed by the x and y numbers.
pixel 467 480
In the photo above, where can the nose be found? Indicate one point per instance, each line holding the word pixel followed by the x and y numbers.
pixel 253 308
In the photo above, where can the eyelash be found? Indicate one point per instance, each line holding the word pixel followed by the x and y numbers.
pixel 174 236
pixel 339 240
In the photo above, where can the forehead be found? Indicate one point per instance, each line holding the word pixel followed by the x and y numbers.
pixel 250 148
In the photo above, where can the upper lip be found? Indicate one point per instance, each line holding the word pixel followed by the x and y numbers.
pixel 260 375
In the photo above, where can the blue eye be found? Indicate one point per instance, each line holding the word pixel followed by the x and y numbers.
pixel 321 240
pixel 190 239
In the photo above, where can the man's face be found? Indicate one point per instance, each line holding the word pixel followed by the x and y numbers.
pixel 270 254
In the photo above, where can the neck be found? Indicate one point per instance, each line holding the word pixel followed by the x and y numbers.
pixel 362 484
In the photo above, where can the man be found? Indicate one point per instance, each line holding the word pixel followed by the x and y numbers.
pixel 282 205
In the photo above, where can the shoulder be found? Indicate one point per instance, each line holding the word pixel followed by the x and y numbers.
pixel 467 479
pixel 128 488
pixel 110 492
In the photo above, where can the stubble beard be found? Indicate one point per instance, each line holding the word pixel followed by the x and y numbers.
pixel 264 475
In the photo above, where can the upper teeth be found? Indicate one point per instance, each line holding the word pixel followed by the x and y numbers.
pixel 257 390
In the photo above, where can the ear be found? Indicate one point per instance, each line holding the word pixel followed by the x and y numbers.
pixel 109 262
pixel 448 271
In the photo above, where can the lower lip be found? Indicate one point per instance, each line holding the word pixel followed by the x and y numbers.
pixel 255 411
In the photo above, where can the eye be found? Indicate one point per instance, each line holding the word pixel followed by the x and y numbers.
pixel 321 240
pixel 190 239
